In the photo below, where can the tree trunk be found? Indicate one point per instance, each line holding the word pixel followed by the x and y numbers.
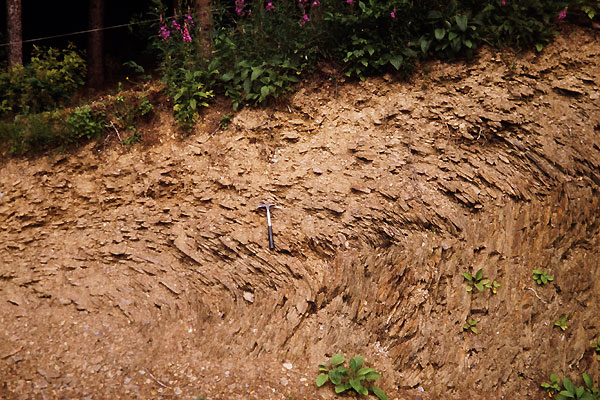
pixel 204 16
pixel 95 44
pixel 15 32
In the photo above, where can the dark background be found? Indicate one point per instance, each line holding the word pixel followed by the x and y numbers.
pixel 48 18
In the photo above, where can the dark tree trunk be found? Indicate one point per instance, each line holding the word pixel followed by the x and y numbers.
pixel 204 16
pixel 15 33
pixel 96 44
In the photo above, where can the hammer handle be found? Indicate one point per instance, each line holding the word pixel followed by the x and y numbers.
pixel 271 244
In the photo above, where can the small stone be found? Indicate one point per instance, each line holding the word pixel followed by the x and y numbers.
pixel 177 391
pixel 288 365
pixel 249 297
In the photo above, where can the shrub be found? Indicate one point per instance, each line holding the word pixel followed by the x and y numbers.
pixel 86 123
pixel 48 81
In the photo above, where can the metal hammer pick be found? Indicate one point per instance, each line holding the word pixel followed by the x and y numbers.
pixel 267 207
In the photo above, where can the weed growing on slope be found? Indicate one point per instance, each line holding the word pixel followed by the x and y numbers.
pixel 541 277
pixel 479 282
pixel 471 325
pixel 566 389
pixel 355 378
pixel 561 323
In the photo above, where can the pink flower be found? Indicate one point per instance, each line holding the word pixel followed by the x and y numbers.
pixel 239 7
pixel 563 13
pixel 270 6
pixel 189 19
pixel 349 1
pixel 305 18
pixel 164 33
pixel 393 14
pixel 186 35
pixel 503 2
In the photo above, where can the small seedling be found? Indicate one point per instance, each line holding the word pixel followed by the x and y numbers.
pixel 479 282
pixel 471 325
pixel 596 347
pixel 353 378
pixel 554 385
pixel 541 277
pixel 561 323
pixel 569 390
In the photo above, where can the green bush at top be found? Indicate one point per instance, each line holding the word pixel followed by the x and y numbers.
pixel 258 49
pixel 48 81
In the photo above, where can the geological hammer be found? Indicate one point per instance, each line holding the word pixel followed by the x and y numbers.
pixel 267 207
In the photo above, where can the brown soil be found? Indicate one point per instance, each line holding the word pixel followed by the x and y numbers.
pixel 145 272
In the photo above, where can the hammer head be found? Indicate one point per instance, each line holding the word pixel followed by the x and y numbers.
pixel 266 205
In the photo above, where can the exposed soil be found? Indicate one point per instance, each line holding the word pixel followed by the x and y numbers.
pixel 144 272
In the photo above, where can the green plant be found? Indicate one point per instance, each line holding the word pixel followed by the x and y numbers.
pixel 136 70
pixel 479 282
pixel 541 277
pixel 596 347
pixel 225 121
pixel 568 390
pixel 471 325
pixel 451 33
pixel 86 123
pixel 189 96
pixel 561 323
pixel 353 378
pixel 554 385
pixel 145 106
pixel 48 81
pixel 520 23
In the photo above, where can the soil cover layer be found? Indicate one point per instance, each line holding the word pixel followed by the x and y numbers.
pixel 146 273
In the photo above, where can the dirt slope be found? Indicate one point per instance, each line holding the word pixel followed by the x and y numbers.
pixel 145 273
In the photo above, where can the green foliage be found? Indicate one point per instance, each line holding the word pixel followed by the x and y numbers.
pixel 85 122
pixel 591 8
pixel 596 347
pixel 354 378
pixel 189 95
pixel 522 23
pixel 225 121
pixel 554 385
pixel 32 132
pixel 257 51
pixel 451 33
pixel 479 282
pixel 561 323
pixel 48 81
pixel 541 277
pixel 471 325
pixel 567 390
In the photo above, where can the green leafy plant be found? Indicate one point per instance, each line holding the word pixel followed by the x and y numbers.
pixel 567 390
pixel 561 323
pixel 188 97
pixel 452 33
pixel 225 121
pixel 553 386
pixel 591 8
pixel 47 82
pixel 471 325
pixel 84 122
pixel 541 277
pixel 479 282
pixel 596 347
pixel 353 378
